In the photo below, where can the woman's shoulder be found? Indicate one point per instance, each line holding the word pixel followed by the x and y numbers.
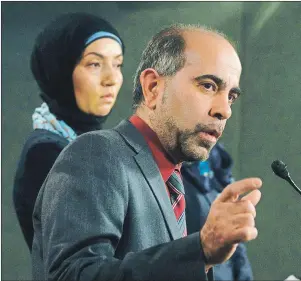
pixel 41 137
pixel 41 146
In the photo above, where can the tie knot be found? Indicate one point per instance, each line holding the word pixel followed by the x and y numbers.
pixel 176 181
pixel 177 199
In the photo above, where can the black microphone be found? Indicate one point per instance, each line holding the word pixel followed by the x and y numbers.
pixel 280 169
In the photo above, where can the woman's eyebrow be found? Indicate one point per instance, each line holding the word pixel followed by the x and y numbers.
pixel 100 55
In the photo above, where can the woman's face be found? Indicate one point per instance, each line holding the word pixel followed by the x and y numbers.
pixel 97 77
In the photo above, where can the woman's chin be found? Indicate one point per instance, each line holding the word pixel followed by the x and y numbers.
pixel 101 112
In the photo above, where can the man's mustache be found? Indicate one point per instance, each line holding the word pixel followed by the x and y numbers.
pixel 212 129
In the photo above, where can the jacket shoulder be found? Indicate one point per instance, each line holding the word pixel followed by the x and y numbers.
pixel 99 141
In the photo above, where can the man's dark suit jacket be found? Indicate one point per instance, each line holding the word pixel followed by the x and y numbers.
pixel 103 213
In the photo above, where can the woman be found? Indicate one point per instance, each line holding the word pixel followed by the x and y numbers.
pixel 76 62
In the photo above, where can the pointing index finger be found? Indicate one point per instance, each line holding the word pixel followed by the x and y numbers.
pixel 234 190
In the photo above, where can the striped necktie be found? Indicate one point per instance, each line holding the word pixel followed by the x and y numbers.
pixel 177 199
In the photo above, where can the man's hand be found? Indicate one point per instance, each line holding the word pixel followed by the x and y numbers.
pixel 231 220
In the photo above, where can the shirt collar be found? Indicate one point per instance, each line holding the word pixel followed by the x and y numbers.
pixel 165 165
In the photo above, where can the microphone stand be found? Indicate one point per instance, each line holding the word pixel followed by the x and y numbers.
pixel 289 180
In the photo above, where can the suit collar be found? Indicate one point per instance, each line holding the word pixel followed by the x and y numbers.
pixel 165 164
pixel 131 135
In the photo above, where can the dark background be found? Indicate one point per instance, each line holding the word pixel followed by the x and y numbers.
pixel 266 123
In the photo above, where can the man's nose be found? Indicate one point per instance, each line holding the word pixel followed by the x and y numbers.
pixel 221 107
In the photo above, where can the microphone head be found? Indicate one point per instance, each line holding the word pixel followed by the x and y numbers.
pixel 279 168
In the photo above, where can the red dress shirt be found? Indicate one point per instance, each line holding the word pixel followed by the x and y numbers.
pixel 165 165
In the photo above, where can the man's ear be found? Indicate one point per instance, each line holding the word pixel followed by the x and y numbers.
pixel 151 86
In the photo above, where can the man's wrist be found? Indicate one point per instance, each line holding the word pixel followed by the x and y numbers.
pixel 207 265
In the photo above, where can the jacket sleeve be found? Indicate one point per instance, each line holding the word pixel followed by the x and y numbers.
pixel 32 170
pixel 242 269
pixel 84 206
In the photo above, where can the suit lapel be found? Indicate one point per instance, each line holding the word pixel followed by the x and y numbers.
pixel 151 172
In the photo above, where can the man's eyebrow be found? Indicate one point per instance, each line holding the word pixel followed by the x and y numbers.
pixel 236 90
pixel 219 82
pixel 100 55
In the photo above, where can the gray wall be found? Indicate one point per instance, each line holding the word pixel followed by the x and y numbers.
pixel 271 128
pixel 265 124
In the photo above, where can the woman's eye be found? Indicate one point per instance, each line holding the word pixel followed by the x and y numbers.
pixel 94 64
pixel 118 65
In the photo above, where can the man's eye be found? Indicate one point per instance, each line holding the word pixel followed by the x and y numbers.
pixel 209 86
pixel 233 97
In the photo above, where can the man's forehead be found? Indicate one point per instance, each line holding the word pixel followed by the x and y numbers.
pixel 201 66
pixel 207 43
pixel 212 63
pixel 213 56
pixel 203 38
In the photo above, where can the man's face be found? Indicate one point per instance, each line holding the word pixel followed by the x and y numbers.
pixel 194 107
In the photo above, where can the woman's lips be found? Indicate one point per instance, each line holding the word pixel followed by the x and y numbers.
pixel 108 97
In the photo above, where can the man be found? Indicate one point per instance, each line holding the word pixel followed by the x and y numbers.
pixel 203 182
pixel 112 206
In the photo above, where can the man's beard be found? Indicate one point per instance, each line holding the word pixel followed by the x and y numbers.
pixel 186 144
